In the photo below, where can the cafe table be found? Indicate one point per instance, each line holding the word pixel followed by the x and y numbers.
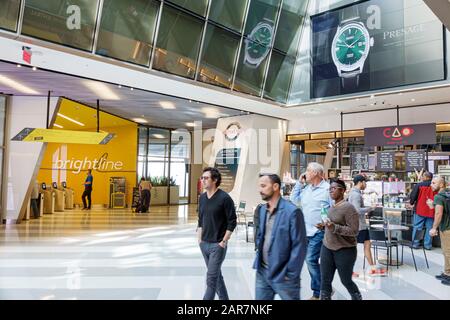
pixel 390 228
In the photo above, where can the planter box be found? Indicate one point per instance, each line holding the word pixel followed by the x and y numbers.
pixel 174 195
pixel 159 195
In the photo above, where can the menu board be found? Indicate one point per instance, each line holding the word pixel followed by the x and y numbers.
pixel 360 160
pixel 415 160
pixel 227 161
pixel 386 161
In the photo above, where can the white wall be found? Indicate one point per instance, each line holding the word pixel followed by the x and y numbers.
pixel 261 151
pixel 22 158
pixel 332 122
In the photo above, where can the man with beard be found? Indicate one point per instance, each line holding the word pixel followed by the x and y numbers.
pixel 281 244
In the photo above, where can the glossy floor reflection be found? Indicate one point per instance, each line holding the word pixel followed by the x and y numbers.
pixel 116 254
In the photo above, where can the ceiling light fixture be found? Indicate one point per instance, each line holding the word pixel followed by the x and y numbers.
pixel 167 105
pixel 34 68
pixel 190 124
pixel 131 89
pixel 19 66
pixel 158 135
pixel 58 125
pixel 16 85
pixel 413 99
pixel 139 120
pixel 119 86
pixel 70 119
pixel 101 90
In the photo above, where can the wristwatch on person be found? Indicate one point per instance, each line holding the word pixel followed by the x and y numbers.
pixel 350 47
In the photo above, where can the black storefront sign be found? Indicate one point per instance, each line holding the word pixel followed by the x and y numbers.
pixel 360 160
pixel 386 161
pixel 415 160
pixel 400 135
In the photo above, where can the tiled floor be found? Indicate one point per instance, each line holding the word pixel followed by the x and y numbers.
pixel 120 255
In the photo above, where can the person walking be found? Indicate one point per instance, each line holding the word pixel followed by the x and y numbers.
pixel 145 187
pixel 216 222
pixel 311 194
pixel 424 214
pixel 281 244
pixel 339 244
pixel 442 221
pixel 356 199
pixel 87 190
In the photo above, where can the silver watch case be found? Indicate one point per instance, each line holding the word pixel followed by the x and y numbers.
pixel 345 70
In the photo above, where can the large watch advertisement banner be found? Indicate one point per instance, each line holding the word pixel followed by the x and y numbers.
pixel 373 45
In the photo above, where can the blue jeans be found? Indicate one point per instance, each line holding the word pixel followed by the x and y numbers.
pixel 266 289
pixel 312 261
pixel 214 256
pixel 419 222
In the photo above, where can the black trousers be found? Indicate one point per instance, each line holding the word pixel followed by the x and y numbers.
pixel 341 260
pixel 145 199
pixel 86 193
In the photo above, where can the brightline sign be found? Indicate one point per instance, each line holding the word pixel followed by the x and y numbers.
pixel 76 165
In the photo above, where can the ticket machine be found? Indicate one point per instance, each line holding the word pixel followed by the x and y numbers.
pixel 60 197
pixel 49 199
pixel 69 194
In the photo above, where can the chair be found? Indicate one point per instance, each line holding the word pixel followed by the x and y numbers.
pixel 405 241
pixel 240 213
pixel 378 240
pixel 373 220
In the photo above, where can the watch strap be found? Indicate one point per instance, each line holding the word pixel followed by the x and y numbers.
pixel 350 83
pixel 349 13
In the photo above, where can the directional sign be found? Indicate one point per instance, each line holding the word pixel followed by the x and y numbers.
pixel 63 136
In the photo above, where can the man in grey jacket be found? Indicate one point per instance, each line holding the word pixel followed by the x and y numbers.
pixel 356 199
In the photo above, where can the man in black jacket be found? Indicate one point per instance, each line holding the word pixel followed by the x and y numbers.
pixel 216 223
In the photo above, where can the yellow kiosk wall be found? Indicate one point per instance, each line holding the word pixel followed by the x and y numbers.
pixel 69 162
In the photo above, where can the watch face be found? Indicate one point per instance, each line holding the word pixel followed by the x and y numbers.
pixel 351 46
pixel 258 43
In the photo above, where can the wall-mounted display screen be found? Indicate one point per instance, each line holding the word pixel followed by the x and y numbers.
pixel 375 44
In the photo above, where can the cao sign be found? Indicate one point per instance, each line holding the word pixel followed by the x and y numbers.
pixel 400 135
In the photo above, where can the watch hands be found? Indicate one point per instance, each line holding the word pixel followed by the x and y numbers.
pixel 353 44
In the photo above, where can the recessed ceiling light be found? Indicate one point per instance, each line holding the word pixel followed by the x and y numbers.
pixel 190 124
pixel 139 120
pixel 413 99
pixel 167 105
pixel 119 86
pixel 19 66
pixel 131 89
pixel 70 119
pixel 34 68
pixel 58 125
pixel 16 85
pixel 101 90
pixel 190 100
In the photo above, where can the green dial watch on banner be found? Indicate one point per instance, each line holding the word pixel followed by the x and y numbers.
pixel 350 48
pixel 257 45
